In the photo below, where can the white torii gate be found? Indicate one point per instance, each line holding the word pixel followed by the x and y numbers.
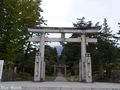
pixel 39 74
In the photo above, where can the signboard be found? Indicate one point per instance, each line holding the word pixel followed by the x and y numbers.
pixel 1 68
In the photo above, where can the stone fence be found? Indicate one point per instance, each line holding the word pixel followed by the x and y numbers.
pixel 115 76
pixel 8 75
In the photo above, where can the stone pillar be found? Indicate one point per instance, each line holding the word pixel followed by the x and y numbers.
pixel 54 69
pixel 1 69
pixel 83 52
pixel 44 71
pixel 37 67
pixel 42 46
pixel 88 68
pixel 65 69
pixel 80 70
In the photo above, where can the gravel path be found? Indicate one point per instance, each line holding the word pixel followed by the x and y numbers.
pixel 60 78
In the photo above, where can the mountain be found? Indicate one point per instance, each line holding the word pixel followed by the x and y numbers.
pixel 59 49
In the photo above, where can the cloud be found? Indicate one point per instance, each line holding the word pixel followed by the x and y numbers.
pixel 61 13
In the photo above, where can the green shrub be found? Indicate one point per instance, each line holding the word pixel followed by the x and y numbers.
pixel 23 76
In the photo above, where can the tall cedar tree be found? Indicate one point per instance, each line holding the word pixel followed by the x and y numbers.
pixel 107 48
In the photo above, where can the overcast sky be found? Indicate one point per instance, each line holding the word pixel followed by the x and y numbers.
pixel 62 13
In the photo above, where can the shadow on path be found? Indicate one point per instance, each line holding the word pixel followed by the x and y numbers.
pixel 60 78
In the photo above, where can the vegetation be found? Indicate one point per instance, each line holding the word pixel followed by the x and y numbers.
pixel 104 53
pixel 50 59
pixel 107 51
pixel 68 78
pixel 23 76
pixel 14 15
pixel 50 78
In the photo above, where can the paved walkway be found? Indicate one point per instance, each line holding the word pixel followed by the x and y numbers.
pixel 60 78
pixel 60 83
pixel 27 85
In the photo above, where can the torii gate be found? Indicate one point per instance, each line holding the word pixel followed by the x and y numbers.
pixel 85 73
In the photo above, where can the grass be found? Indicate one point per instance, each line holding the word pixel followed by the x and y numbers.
pixel 50 78
pixel 23 76
pixel 67 77
pixel 97 78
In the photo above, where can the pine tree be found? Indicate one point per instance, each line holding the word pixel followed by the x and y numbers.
pixel 107 50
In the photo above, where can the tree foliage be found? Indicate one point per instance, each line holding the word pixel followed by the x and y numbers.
pixel 104 53
pixel 51 57
pixel 15 14
pixel 107 49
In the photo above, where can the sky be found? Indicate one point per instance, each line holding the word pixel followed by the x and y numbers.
pixel 63 13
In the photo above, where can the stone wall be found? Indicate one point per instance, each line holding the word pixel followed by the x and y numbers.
pixel 8 75
pixel 115 76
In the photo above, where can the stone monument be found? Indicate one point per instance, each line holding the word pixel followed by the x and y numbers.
pixel 1 68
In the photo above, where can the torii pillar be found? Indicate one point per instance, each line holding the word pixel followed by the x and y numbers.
pixel 83 52
pixel 39 73
pixel 85 66
pixel 42 51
